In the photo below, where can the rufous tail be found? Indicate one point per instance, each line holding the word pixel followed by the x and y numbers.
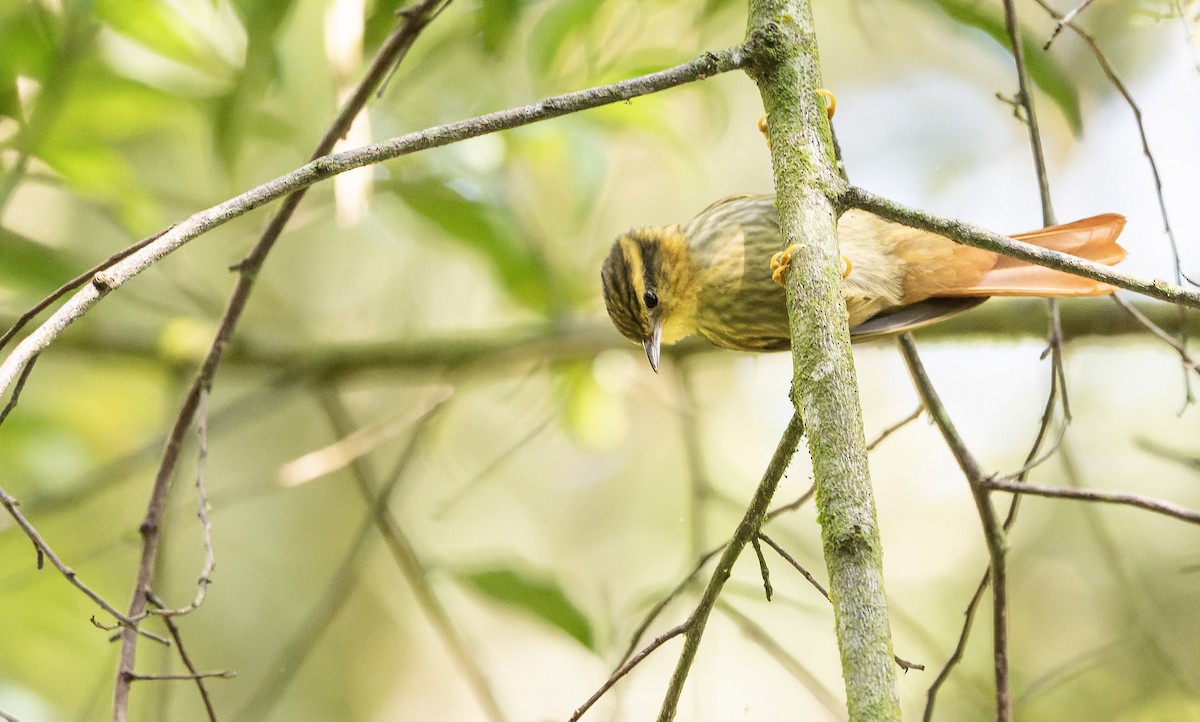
pixel 1092 238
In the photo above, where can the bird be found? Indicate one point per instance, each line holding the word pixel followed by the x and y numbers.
pixel 712 276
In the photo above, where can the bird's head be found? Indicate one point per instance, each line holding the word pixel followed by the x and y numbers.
pixel 649 289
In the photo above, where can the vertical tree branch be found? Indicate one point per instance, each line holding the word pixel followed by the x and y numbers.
pixel 992 530
pixel 783 61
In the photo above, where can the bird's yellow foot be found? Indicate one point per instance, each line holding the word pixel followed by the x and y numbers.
pixel 830 101
pixel 830 109
pixel 780 261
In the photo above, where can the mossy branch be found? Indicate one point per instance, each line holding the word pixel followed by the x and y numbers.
pixel 782 59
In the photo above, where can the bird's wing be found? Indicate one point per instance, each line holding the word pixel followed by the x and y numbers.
pixel 912 316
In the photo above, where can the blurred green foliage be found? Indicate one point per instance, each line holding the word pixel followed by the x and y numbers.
pixel 119 117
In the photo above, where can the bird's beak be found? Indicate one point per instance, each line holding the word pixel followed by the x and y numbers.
pixel 653 344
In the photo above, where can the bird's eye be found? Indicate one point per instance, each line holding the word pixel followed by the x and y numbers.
pixel 650 298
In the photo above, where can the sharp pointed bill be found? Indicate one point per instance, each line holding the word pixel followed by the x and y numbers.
pixel 653 344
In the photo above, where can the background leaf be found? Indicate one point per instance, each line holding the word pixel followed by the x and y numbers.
pixel 1044 69
pixel 544 600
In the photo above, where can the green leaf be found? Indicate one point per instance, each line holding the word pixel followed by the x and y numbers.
pixel 496 20
pixel 488 227
pixel 542 599
pixel 1045 72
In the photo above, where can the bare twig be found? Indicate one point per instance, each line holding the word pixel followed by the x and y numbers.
pixel 224 674
pixel 17 388
pixel 1009 520
pixel 1025 100
pixel 45 552
pixel 812 580
pixel 1117 83
pixel 627 667
pixel 662 603
pixel 326 167
pixel 1065 20
pixel 392 49
pixel 73 284
pixel 1186 358
pixel 916 414
pixel 795 564
pixel 993 532
pixel 173 629
pixel 747 529
pixel 794 504
pixel 1108 497
pixel 210 559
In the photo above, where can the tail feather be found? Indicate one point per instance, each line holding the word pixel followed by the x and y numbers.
pixel 1094 239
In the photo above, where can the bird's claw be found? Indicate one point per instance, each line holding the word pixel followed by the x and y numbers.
pixel 780 261
pixel 830 109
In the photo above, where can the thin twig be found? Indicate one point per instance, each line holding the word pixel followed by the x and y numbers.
pixel 1065 20
pixel 75 283
pixel 1010 519
pixel 1117 83
pixel 1107 497
pixel 210 559
pixel 393 48
pixel 627 667
pixel 992 531
pixel 1025 100
pixel 747 529
pixel 763 569
pixel 1158 331
pixel 16 393
pixel 690 576
pixel 795 564
pixel 978 237
pixel 12 505
pixel 662 603
pixel 224 674
pixel 328 166
pixel 916 414
pixel 960 648
pixel 794 504
pixel 173 629
pixel 906 665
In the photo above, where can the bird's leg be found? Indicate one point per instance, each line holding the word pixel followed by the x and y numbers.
pixel 830 109
pixel 780 261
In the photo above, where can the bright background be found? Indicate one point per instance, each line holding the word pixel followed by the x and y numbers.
pixel 560 488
